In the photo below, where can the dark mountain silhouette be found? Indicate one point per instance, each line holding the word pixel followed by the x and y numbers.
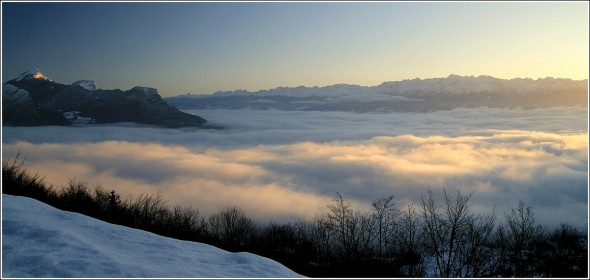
pixel 32 99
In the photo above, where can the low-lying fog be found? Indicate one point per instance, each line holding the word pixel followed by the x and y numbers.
pixel 281 165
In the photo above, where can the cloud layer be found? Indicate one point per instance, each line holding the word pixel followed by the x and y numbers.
pixel 282 165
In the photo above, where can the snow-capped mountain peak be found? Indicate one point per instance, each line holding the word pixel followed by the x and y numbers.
pixel 89 85
pixel 33 74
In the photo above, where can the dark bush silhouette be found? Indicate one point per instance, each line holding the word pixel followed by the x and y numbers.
pixel 17 181
pixel 231 228
pixel 565 252
pixel 109 205
pixel 77 198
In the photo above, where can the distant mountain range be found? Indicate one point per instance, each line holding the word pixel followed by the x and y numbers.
pixel 32 99
pixel 415 95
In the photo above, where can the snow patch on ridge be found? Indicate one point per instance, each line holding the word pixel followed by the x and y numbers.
pixel 146 90
pixel 76 117
pixel 89 85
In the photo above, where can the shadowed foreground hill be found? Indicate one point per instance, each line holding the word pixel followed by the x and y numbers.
pixel 42 241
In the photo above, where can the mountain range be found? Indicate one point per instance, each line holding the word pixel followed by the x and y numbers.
pixel 32 99
pixel 415 95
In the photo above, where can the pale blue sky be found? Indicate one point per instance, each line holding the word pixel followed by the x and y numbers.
pixel 206 47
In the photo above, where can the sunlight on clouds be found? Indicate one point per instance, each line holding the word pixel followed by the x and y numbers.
pixel 255 154
pixel 299 179
pixel 58 172
pixel 558 170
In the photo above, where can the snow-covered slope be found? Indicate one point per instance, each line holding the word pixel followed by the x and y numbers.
pixel 11 93
pixel 41 241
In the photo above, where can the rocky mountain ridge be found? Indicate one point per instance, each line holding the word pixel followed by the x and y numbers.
pixel 32 99
pixel 407 95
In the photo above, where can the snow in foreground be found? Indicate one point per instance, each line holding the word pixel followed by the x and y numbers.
pixel 41 241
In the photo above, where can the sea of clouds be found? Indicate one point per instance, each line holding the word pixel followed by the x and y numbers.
pixel 284 165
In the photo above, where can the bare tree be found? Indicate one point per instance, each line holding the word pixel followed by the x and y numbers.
pixel 410 251
pixel 445 228
pixel 384 214
pixel 340 217
pixel 352 229
pixel 232 227
pixel 185 223
pixel 320 232
pixel 520 234
pixel 147 211
pixel 477 250
pixel 433 232
pixel 363 235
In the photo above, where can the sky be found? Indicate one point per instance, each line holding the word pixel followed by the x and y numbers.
pixel 195 47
